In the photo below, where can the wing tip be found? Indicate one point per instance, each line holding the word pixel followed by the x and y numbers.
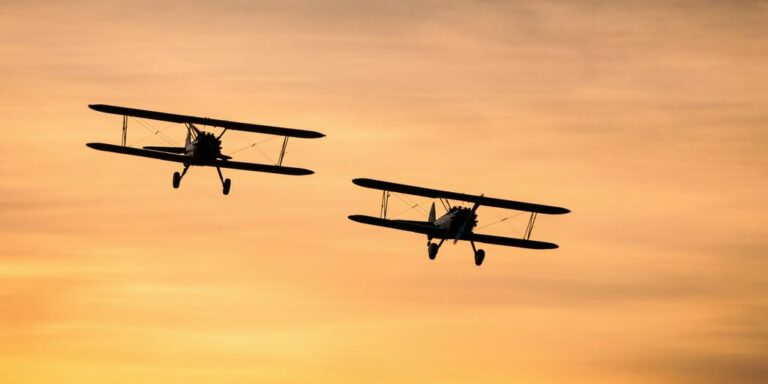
pixel 292 171
pixel 315 135
pixel 99 146
pixel 301 133
pixel 98 107
pixel 540 245
pixel 363 181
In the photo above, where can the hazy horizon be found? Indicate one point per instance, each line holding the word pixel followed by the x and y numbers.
pixel 648 121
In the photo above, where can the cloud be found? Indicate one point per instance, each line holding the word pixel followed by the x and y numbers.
pixel 646 120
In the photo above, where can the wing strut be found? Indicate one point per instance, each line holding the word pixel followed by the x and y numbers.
pixel 125 129
pixel 282 151
pixel 384 204
pixel 529 229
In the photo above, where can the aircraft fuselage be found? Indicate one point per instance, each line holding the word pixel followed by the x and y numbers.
pixel 453 221
pixel 204 148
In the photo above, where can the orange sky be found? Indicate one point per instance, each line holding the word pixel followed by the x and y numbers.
pixel 648 121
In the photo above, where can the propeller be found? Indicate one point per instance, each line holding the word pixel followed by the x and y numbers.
pixel 464 225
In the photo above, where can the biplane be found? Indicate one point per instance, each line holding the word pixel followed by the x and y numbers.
pixel 202 148
pixel 458 222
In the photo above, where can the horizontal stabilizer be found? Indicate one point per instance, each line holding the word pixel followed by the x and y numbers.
pixel 423 227
pixel 167 149
pixel 167 156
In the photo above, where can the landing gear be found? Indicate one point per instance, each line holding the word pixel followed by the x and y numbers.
pixel 177 177
pixel 225 183
pixel 479 254
pixel 479 257
pixel 432 248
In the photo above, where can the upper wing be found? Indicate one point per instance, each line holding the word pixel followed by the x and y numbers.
pixel 174 118
pixel 509 241
pixel 423 227
pixel 168 156
pixel 482 200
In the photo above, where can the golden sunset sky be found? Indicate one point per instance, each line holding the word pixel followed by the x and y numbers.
pixel 648 120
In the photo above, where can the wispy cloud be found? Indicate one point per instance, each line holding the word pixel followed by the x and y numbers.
pixel 648 120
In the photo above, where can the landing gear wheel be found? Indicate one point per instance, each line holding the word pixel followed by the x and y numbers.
pixel 479 257
pixel 227 183
pixel 432 250
pixel 176 180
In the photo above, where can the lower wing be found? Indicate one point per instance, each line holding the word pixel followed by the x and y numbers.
pixel 168 156
pixel 508 241
pixel 256 167
pixel 429 229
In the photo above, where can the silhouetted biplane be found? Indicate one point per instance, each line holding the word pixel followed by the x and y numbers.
pixel 202 148
pixel 458 222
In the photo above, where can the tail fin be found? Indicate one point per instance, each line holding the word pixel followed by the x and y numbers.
pixel 432 216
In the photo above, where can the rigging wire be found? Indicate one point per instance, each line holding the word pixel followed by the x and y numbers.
pixel 411 205
pixel 153 132
pixel 159 133
pixel 501 219
pixel 254 145
pixel 414 202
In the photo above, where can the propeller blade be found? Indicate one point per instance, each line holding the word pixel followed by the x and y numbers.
pixel 477 205
pixel 469 218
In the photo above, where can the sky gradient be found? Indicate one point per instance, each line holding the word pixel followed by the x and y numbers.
pixel 648 121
